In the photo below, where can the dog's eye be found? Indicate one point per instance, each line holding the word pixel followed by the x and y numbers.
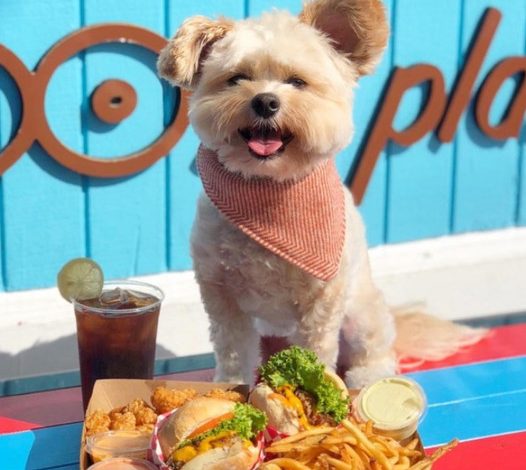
pixel 296 82
pixel 237 78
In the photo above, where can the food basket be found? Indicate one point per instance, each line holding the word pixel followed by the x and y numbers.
pixel 112 393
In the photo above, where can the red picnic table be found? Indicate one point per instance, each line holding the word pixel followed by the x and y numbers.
pixel 478 396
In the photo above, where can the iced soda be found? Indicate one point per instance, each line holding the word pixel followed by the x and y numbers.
pixel 117 333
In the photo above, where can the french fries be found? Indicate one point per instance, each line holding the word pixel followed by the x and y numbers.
pixel 350 446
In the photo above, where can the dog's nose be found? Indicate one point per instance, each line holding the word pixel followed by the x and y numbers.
pixel 265 104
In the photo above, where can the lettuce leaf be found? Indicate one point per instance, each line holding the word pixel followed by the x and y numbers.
pixel 301 368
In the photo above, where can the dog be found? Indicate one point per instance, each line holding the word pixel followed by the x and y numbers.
pixel 278 245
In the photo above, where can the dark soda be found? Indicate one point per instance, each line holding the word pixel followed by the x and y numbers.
pixel 116 336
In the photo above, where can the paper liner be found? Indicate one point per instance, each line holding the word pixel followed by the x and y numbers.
pixel 271 435
pixel 155 453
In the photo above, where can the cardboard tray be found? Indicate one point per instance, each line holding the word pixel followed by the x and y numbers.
pixel 113 393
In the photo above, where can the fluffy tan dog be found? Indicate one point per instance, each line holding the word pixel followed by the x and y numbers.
pixel 272 105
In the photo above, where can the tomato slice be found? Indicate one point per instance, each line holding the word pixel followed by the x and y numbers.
pixel 210 425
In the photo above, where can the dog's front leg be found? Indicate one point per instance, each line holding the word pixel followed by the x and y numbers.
pixel 319 328
pixel 368 333
pixel 234 338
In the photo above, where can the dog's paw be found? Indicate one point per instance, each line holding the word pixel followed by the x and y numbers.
pixel 358 377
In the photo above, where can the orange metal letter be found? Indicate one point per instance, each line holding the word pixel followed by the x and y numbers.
pixel 402 80
pixel 510 125
pixel 462 92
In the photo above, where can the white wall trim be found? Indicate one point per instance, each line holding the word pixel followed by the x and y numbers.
pixel 457 277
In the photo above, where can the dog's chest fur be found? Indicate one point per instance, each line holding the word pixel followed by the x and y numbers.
pixel 264 286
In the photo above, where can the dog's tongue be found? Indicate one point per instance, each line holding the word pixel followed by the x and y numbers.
pixel 264 147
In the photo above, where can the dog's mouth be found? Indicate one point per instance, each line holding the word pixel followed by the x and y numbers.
pixel 265 142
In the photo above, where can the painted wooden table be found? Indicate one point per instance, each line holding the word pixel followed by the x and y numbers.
pixel 478 396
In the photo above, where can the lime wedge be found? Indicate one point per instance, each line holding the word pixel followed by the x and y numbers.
pixel 80 279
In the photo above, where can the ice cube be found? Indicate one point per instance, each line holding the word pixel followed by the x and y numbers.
pixel 114 297
pixel 140 299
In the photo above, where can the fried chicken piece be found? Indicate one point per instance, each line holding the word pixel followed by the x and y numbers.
pixel 146 428
pixel 96 422
pixel 122 421
pixel 135 406
pixel 225 395
pixel 143 413
pixel 164 399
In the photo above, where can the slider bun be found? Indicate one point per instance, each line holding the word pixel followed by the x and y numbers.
pixel 281 417
pixel 190 416
pixel 337 381
pixel 236 457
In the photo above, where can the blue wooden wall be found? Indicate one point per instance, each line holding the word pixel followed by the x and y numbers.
pixel 141 224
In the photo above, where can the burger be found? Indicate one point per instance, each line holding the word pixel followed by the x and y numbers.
pixel 212 433
pixel 297 392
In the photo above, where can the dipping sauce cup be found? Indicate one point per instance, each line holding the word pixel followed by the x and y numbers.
pixel 131 444
pixel 395 405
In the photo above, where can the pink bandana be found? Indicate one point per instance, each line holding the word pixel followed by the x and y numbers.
pixel 301 221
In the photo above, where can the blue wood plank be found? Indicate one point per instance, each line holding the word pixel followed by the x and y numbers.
pixel 9 121
pixel 256 7
pixel 419 186
pixel 43 202
pixel 2 236
pixel 74 466
pixel 472 380
pixel 179 11
pixel 476 418
pixel 487 170
pixel 184 183
pixel 521 197
pixel 127 218
pixel 15 450
pixel 367 98
pixel 56 446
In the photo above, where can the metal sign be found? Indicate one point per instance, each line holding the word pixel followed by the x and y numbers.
pixel 112 101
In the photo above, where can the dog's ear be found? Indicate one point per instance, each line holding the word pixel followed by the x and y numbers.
pixel 179 62
pixel 357 28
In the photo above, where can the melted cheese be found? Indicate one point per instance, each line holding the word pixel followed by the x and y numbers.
pixel 213 442
pixel 184 454
pixel 295 403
